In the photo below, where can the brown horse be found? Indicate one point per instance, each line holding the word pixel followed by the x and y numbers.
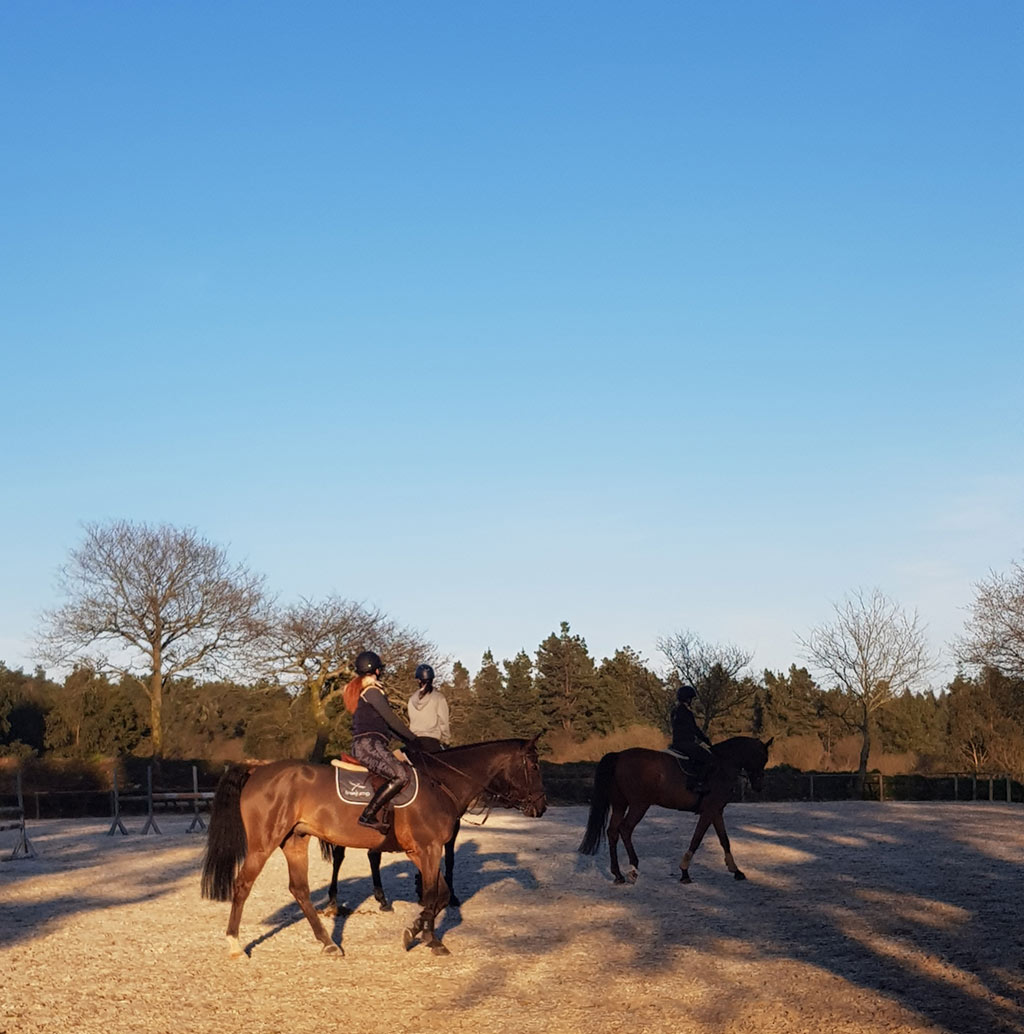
pixel 628 782
pixel 258 808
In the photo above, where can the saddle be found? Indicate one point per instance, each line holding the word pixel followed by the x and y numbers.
pixel 690 768
pixel 356 784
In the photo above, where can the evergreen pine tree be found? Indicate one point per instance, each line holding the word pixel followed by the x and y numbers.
pixel 565 684
pixel 520 708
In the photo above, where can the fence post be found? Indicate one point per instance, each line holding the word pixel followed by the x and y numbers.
pixel 197 819
pixel 974 786
pixel 115 807
pixel 24 845
pixel 881 789
pixel 150 817
pixel 811 794
pixel 956 795
pixel 991 789
pixel 1009 796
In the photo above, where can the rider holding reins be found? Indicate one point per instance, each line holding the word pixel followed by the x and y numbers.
pixel 374 725
pixel 688 738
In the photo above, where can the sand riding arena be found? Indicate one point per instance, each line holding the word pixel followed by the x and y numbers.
pixel 855 917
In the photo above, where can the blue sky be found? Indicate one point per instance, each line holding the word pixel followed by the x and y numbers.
pixel 644 317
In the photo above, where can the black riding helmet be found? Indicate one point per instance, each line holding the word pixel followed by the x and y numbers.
pixel 369 663
pixel 684 694
pixel 424 673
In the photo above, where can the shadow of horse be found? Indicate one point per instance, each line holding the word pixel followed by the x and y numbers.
pixel 478 870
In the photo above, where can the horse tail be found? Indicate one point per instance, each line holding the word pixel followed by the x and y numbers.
pixel 600 802
pixel 226 843
pixel 327 850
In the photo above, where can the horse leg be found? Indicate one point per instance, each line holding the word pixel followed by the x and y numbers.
pixel 333 908
pixel 378 887
pixel 723 839
pixel 618 810
pixel 435 899
pixel 296 851
pixel 246 877
pixel 703 821
pixel 449 867
pixel 633 816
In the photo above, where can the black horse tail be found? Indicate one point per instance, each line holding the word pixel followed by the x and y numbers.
pixel 600 802
pixel 226 844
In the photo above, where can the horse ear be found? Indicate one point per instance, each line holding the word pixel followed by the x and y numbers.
pixel 531 744
pixel 767 746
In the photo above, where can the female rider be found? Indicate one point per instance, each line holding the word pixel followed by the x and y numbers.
pixel 374 724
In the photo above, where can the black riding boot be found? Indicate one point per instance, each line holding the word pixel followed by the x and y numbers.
pixel 377 801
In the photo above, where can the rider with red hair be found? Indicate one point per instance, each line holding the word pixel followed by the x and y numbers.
pixel 374 725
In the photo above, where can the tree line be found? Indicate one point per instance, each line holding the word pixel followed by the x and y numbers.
pixel 172 650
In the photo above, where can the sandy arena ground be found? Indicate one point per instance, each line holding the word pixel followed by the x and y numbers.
pixel 855 918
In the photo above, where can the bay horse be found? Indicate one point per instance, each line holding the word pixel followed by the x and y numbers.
pixel 258 808
pixel 628 782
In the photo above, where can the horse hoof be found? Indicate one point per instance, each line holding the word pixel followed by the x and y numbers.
pixel 620 878
pixel 685 878
pixel 333 949
pixel 633 875
pixel 439 949
pixel 386 907
pixel 737 875
pixel 408 939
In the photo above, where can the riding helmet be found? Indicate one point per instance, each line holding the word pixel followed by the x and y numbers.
pixel 424 673
pixel 685 693
pixel 368 663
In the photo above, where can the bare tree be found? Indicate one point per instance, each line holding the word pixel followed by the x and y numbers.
pixel 711 668
pixel 311 647
pixel 994 634
pixel 872 651
pixel 153 603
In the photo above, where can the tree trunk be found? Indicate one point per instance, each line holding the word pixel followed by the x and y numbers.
pixel 156 691
pixel 865 750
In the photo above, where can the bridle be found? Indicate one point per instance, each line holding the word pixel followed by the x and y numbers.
pixel 528 800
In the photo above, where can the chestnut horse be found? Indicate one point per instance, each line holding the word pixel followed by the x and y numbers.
pixel 628 782
pixel 258 808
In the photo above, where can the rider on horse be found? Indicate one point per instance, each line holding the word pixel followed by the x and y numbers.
pixel 374 724
pixel 428 712
pixel 688 738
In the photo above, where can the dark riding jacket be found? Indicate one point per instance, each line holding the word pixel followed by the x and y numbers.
pixel 686 733
pixel 374 715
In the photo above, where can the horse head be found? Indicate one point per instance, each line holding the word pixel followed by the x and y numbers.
pixel 747 753
pixel 517 782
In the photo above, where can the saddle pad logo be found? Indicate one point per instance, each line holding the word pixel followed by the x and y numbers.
pixel 356 788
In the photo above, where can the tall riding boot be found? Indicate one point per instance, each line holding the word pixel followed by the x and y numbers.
pixel 377 801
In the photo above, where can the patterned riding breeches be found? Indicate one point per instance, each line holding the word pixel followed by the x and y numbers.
pixel 372 751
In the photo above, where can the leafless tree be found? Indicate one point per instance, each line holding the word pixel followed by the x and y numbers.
pixel 311 647
pixel 994 634
pixel 153 603
pixel 871 651
pixel 712 670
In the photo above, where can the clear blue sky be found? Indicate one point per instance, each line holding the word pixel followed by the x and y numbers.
pixel 642 316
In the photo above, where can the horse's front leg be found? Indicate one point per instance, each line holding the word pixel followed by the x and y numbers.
pixel 449 867
pixel 435 900
pixel 723 839
pixel 378 887
pixel 296 852
pixel 703 821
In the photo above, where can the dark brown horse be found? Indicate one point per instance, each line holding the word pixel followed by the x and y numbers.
pixel 258 808
pixel 628 782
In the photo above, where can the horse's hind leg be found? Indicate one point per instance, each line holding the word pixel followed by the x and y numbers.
pixel 296 851
pixel 333 908
pixel 723 839
pixel 633 816
pixel 703 821
pixel 246 877
pixel 618 810
pixel 378 886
